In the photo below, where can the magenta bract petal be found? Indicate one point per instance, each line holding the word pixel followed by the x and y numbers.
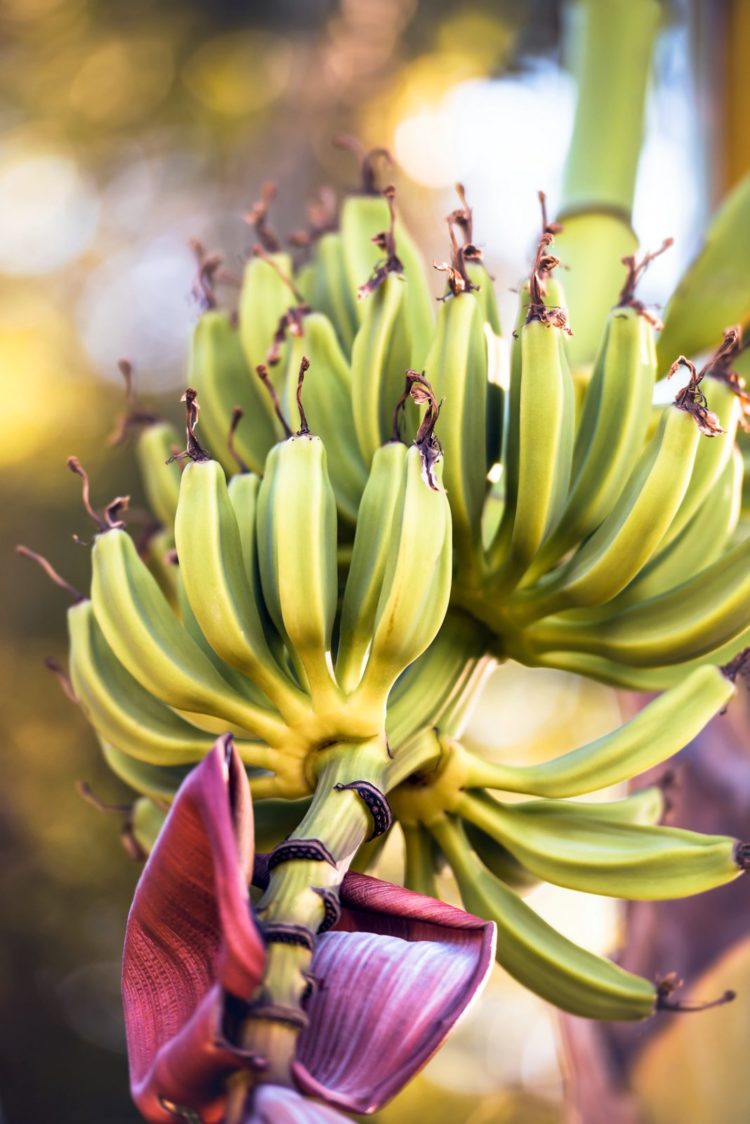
pixel 274 1104
pixel 395 974
pixel 190 938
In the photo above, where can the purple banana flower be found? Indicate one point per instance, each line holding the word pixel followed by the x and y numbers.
pixel 394 973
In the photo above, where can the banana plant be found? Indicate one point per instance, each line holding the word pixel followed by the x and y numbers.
pixel 359 528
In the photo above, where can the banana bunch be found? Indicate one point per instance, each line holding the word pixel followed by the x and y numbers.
pixel 497 851
pixel 325 571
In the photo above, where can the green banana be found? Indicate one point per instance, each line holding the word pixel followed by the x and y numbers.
pixel 546 427
pixel 327 406
pixel 657 732
pixel 457 369
pixel 537 955
pixel 706 612
pixel 439 687
pixel 380 357
pixel 711 459
pixel 602 855
pixel 159 470
pixel 223 380
pixel 159 782
pixel 631 533
pixel 498 860
pixel 123 711
pixel 381 501
pixel 363 219
pixel 158 553
pixel 265 298
pixel 416 580
pixel 611 431
pixel 216 581
pixel 146 821
pixel 296 535
pixel 702 541
pixel 149 641
pixel 331 291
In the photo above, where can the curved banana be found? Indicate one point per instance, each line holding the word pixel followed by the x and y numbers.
pixel 657 732
pixel 380 504
pixel 544 442
pixel 331 291
pixel 380 356
pixel 160 472
pixel 296 534
pixel 711 458
pixel 611 432
pixel 537 955
pixel 149 641
pixel 694 619
pixel 220 374
pixel 327 406
pixel 703 540
pixel 265 298
pixel 214 574
pixel 632 531
pixel 457 369
pixel 363 218
pixel 124 712
pixel 416 582
pixel 606 856
pixel 419 861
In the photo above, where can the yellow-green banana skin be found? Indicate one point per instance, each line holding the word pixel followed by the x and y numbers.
pixel 605 856
pixel 658 731
pixel 219 372
pixel 537 955
pixel 155 447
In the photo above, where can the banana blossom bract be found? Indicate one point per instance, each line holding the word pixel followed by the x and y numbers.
pixel 393 974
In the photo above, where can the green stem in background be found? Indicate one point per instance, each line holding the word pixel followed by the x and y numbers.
pixel 301 899
pixel 610 44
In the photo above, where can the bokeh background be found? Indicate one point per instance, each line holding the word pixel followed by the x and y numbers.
pixel 128 129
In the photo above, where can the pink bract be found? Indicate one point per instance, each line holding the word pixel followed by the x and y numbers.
pixel 393 976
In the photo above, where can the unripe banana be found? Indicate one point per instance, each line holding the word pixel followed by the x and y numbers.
pixel 363 218
pixel 119 708
pixel 215 578
pixel 297 555
pixel 220 374
pixel 711 458
pixel 604 856
pixel 381 502
pixel 265 298
pixel 457 369
pixel 331 290
pixel 499 861
pixel 328 407
pixel 380 356
pixel 158 553
pixel 159 782
pixel 631 533
pixel 702 541
pixel 416 582
pixel 546 429
pixel 419 860
pixel 536 954
pixel 147 820
pixel 149 641
pixel 657 732
pixel 695 619
pixel 611 432
pixel 160 472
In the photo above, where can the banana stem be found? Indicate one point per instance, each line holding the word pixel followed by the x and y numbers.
pixel 306 870
pixel 611 45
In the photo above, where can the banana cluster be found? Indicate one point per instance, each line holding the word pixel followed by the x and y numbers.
pixel 368 517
